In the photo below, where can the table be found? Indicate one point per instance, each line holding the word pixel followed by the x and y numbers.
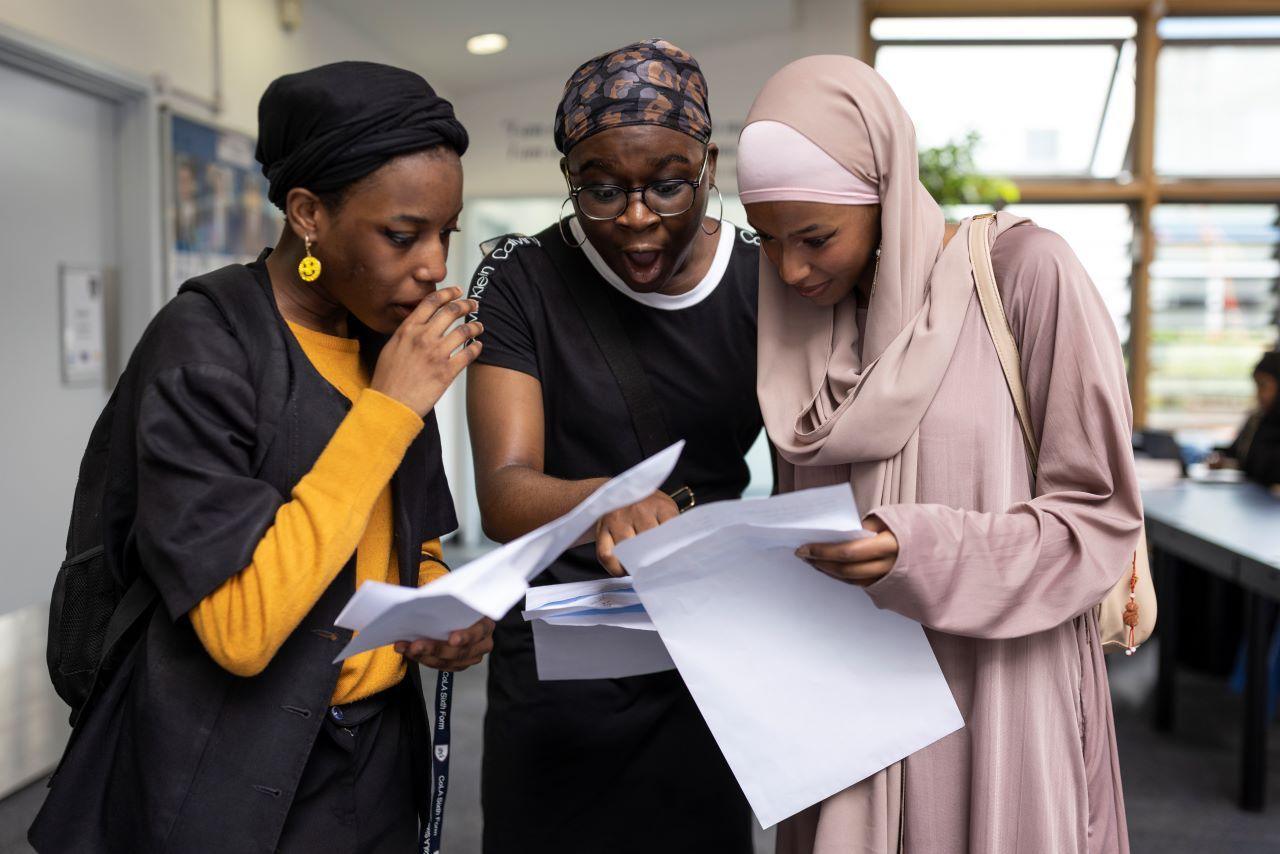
pixel 1232 531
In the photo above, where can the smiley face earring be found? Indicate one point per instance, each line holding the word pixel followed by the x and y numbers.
pixel 309 267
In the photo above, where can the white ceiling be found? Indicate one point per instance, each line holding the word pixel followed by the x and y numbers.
pixel 548 37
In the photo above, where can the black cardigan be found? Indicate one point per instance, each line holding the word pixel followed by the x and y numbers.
pixel 1257 447
pixel 178 754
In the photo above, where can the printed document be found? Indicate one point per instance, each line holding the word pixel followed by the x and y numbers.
pixel 488 586
pixel 593 630
pixel 807 687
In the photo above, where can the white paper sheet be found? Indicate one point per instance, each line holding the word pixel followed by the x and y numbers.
pixel 598 602
pixel 589 630
pixel 805 684
pixel 489 585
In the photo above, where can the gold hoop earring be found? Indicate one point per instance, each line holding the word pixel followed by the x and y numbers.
pixel 719 218
pixel 309 267
pixel 560 222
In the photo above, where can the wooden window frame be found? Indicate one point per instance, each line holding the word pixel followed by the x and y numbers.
pixel 1144 188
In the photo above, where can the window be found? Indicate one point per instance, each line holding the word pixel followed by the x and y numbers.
pixel 1213 312
pixel 1140 138
pixel 1102 237
pixel 1219 84
pixel 1068 110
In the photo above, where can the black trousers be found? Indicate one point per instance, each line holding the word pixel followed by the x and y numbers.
pixel 356 792
pixel 624 766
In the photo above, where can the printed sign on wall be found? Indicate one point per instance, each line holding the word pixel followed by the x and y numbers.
pixel 83 340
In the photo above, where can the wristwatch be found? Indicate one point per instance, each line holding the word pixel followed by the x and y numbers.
pixel 684 498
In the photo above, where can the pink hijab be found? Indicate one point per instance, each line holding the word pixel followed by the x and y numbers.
pixel 834 398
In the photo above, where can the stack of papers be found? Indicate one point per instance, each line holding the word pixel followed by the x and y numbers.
pixel 382 613
pixel 806 686
pixel 609 602
pixel 593 630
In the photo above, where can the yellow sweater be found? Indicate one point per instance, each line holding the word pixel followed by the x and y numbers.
pixel 342 505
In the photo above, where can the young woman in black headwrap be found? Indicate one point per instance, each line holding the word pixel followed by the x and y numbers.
pixel 274 446
pixel 1256 449
pixel 618 765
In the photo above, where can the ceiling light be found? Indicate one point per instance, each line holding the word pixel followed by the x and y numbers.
pixel 487 43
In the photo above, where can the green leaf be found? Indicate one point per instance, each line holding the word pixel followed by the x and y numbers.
pixel 949 174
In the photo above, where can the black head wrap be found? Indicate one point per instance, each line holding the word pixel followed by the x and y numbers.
pixel 328 127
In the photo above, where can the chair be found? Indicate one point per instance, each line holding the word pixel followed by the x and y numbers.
pixel 1160 445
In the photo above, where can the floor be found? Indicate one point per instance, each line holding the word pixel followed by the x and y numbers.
pixel 1180 789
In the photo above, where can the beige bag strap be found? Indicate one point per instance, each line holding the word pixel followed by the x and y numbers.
pixel 998 325
pixel 1124 622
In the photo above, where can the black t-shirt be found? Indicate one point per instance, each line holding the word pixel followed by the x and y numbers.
pixel 698 350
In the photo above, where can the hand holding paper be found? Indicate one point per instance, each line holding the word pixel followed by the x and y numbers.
pixel 732 603
pixel 860 561
pixel 464 648
pixel 593 630
pixel 629 521
pixel 491 584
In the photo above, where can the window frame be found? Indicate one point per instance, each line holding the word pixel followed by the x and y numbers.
pixel 1143 188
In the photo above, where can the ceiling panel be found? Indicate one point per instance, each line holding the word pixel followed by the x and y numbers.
pixel 547 38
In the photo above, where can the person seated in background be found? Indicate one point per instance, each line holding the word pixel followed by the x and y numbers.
pixel 1256 449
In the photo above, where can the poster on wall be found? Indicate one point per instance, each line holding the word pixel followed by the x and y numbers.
pixel 217 205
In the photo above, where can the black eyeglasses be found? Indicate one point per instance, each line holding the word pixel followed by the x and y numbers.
pixel 670 197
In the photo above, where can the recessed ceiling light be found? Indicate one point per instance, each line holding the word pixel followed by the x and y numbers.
pixel 487 43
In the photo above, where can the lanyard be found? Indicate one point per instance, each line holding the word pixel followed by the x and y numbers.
pixel 434 825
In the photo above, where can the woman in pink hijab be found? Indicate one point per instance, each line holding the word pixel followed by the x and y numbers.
pixel 876 368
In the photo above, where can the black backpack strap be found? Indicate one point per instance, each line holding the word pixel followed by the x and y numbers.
pixel 135 602
pixel 129 612
pixel 251 313
pixel 615 345
pixel 138 601
pixel 250 310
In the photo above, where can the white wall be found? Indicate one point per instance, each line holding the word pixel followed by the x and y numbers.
pixel 173 38
pixel 510 126
pixel 55 144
